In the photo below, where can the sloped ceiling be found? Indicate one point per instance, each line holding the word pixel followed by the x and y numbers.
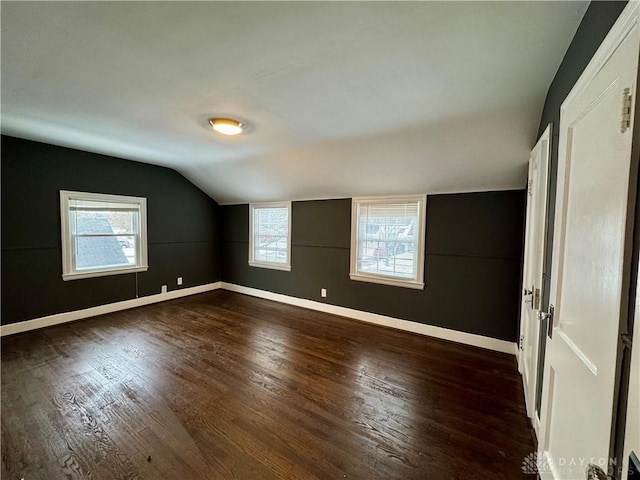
pixel 340 99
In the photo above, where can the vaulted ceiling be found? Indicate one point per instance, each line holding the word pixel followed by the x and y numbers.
pixel 340 99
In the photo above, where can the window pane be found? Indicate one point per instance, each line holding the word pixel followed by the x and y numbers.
pixel 387 239
pixel 98 244
pixel 102 233
pixel 128 245
pixel 102 252
pixel 270 233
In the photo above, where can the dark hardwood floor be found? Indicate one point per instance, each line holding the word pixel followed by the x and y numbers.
pixel 225 386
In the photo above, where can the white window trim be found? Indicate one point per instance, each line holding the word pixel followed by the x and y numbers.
pixel 417 284
pixel 272 265
pixel 68 271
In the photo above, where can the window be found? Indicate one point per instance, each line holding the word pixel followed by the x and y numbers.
pixel 270 235
pixel 102 234
pixel 387 240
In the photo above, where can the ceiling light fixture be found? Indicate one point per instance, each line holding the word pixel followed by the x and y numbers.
pixel 226 126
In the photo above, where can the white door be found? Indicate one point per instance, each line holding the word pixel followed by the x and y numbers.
pixel 535 232
pixel 590 242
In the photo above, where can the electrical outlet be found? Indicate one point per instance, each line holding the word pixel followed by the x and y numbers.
pixel 323 292
pixel 163 289
pixel 179 280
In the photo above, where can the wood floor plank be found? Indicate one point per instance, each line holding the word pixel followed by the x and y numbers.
pixel 225 386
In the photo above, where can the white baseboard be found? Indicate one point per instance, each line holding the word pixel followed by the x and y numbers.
pixel 65 317
pixel 429 330
pixel 374 318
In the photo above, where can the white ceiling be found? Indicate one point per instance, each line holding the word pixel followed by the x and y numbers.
pixel 341 99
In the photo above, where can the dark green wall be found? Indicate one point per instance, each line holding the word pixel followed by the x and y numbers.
pixel 472 265
pixel 182 229
pixel 473 247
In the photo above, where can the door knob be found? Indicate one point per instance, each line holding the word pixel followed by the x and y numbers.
pixel 544 315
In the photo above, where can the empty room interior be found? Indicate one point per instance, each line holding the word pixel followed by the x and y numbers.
pixel 320 240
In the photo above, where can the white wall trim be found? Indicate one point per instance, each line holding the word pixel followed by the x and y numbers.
pixel 65 317
pixel 415 327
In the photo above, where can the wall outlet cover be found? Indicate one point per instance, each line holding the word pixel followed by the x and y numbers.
pixel 163 289
pixel 323 292
pixel 179 280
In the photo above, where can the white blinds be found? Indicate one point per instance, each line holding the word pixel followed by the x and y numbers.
pixel 387 242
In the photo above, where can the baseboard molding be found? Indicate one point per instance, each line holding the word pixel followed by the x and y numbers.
pixel 429 330
pixel 65 317
pixel 374 318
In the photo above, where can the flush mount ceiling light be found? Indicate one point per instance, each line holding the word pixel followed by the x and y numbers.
pixel 226 126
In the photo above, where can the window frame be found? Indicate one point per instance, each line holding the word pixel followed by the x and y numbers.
pixel 262 264
pixel 69 271
pixel 354 274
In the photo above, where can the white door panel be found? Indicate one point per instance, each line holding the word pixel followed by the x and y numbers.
pixel 588 254
pixel 589 284
pixel 532 277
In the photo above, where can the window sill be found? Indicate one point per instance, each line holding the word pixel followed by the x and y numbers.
pixel 272 266
pixel 102 273
pixel 387 281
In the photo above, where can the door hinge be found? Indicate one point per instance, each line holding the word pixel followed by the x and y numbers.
pixel 626 110
pixel 521 342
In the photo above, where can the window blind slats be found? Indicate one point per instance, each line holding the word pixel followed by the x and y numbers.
pixel 390 210
pixel 103 209
pixel 387 243
pixel 270 236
